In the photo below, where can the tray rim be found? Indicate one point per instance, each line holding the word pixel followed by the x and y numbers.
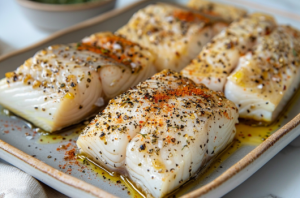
pixel 97 192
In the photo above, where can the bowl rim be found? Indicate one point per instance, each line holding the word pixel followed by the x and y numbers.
pixel 62 8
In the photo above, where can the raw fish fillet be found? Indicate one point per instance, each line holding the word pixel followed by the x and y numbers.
pixel 221 56
pixel 161 133
pixel 267 78
pixel 175 34
pixel 255 62
pixel 63 84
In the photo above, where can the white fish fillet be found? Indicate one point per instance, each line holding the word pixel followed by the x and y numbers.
pixel 266 78
pixel 221 56
pixel 227 12
pixel 161 133
pixel 62 84
pixel 175 34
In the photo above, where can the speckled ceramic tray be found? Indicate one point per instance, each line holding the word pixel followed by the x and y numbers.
pixel 53 163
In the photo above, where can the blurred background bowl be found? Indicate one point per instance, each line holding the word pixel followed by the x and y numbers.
pixel 59 16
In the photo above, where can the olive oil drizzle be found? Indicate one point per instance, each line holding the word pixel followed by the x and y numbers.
pixel 112 176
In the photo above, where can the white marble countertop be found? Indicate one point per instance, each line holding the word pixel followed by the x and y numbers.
pixel 280 177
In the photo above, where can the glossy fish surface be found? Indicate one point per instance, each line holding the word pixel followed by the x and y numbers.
pixel 64 84
pixel 176 35
pixel 160 133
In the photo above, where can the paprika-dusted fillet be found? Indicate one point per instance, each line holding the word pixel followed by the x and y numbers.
pixel 175 34
pixel 160 133
pixel 64 84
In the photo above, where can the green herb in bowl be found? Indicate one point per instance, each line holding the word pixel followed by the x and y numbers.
pixel 64 1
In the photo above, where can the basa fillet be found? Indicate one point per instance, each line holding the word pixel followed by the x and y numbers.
pixel 161 133
pixel 221 56
pixel 255 62
pixel 63 84
pixel 266 78
pixel 176 35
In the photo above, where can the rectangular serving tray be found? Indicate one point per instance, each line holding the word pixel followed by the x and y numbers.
pixel 21 146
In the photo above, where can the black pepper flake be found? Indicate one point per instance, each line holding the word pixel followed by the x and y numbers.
pixel 252 38
pixel 89 80
pixel 80 106
pixel 62 85
pixel 229 45
pixel 73 84
pixel 142 147
pixel 102 134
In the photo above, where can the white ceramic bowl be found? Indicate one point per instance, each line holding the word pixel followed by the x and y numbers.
pixel 55 17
